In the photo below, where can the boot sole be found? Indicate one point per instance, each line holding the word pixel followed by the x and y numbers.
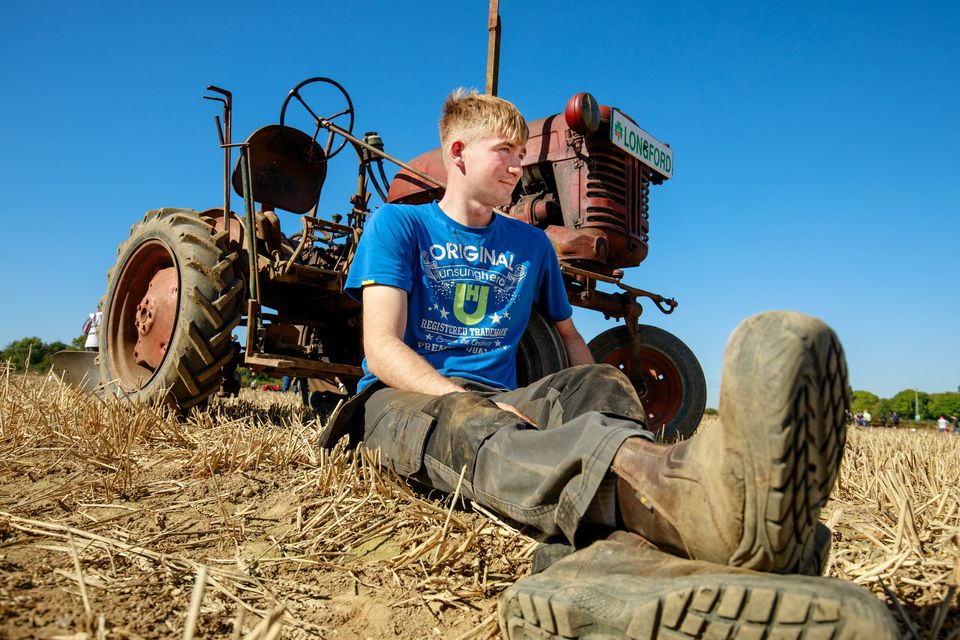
pixel 700 606
pixel 785 381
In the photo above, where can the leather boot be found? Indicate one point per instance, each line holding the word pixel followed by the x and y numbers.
pixel 623 587
pixel 747 491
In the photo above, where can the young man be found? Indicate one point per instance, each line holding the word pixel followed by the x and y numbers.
pixel 447 289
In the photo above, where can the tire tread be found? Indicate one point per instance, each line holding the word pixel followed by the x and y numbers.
pixel 211 287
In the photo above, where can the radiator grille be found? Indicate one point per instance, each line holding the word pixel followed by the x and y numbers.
pixel 617 191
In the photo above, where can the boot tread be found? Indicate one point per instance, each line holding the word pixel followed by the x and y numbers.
pixel 804 455
pixel 705 606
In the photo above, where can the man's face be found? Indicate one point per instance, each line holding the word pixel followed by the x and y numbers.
pixel 491 169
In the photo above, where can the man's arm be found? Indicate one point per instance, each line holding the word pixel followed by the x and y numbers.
pixel 573 342
pixel 388 357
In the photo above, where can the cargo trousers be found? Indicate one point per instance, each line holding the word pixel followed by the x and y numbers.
pixel 544 475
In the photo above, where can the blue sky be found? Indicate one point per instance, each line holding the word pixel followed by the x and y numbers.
pixel 815 144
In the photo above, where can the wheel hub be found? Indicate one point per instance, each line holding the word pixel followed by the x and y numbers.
pixel 657 381
pixel 664 372
pixel 660 387
pixel 155 315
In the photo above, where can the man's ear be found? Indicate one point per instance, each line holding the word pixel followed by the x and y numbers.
pixel 455 155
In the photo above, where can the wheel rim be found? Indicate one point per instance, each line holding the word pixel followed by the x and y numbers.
pixel 657 380
pixel 142 314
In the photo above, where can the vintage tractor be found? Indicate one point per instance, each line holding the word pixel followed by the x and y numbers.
pixel 184 280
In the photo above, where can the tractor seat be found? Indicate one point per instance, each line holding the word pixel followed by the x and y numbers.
pixel 281 178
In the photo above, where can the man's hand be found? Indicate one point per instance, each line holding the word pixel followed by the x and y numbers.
pixel 512 409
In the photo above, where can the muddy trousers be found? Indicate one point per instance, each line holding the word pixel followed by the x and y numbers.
pixel 545 476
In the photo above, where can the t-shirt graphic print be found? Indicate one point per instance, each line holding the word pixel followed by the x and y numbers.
pixel 470 289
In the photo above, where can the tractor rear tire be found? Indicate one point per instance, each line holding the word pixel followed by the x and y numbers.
pixel 540 351
pixel 172 301
pixel 668 377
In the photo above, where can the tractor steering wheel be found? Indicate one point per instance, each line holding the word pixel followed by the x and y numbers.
pixel 317 120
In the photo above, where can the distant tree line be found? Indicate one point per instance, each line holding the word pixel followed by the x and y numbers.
pixel 38 353
pixel 906 403
pixel 35 354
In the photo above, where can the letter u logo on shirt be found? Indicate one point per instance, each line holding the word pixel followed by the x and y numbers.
pixel 472 293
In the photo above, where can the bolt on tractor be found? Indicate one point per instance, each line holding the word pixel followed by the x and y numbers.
pixel 185 279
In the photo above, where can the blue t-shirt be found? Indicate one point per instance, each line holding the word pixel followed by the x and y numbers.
pixel 471 289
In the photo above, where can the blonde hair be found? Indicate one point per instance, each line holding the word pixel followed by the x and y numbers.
pixel 468 115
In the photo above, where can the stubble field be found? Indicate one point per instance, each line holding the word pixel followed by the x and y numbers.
pixel 119 521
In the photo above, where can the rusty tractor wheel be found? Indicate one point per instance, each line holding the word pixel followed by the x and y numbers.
pixel 668 377
pixel 172 300
pixel 540 352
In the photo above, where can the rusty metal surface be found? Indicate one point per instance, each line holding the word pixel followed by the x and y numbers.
pixel 493 47
pixel 611 305
pixel 599 187
pixel 77 368
pixel 579 245
pixel 614 197
pixel 232 223
pixel 281 338
pixel 655 377
pixel 155 317
pixel 292 273
pixel 550 141
pixel 307 153
pixel 279 177
pixel 290 365
pixel 411 189
pixel 585 289
pixel 320 245
pixel 225 133
pixel 132 328
pixel 539 209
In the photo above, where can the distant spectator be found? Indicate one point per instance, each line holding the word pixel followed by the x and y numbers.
pixel 895 419
pixel 942 424
pixel 955 424
pixel 90 329
pixel 286 384
pixel 867 419
pixel 883 419
pixel 859 418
